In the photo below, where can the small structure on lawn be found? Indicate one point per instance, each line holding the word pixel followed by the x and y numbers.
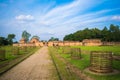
pixel 101 62
pixel 15 50
pixel 2 54
pixel 76 53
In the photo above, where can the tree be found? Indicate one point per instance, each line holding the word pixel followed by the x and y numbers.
pixel 10 38
pixel 97 33
pixel 53 39
pixel 26 35
pixel 69 37
pixel 3 41
pixel 111 34
pixel 115 33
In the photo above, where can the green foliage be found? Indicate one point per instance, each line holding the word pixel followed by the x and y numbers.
pixel 3 41
pixel 26 35
pixel 53 39
pixel 10 38
pixel 111 34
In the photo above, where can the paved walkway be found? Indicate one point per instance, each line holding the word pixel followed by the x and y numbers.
pixel 39 66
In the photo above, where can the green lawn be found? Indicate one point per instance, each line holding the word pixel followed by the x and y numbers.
pixel 63 72
pixel 114 49
pixel 85 61
pixel 9 54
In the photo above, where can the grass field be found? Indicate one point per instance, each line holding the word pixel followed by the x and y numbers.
pixel 114 49
pixel 12 58
pixel 63 72
pixel 9 54
pixel 85 61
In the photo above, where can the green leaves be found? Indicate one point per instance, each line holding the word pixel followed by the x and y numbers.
pixel 111 34
pixel 26 35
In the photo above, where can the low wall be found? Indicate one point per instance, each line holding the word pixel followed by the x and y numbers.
pixel 39 44
pixel 67 43
pixel 24 44
pixel 92 44
pixel 50 44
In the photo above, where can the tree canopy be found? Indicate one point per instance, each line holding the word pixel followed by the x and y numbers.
pixel 26 35
pixel 111 34
pixel 8 40
pixel 53 39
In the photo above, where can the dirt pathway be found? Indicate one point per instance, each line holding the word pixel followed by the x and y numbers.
pixel 39 66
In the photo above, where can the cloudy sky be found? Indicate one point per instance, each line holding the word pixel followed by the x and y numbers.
pixel 47 18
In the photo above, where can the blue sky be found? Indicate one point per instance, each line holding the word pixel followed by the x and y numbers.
pixel 56 18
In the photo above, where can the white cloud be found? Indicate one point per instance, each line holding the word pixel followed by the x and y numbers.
pixel 65 19
pixel 25 17
pixel 62 13
pixel 116 18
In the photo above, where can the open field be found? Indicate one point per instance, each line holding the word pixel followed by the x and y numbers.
pixel 84 62
pixel 114 49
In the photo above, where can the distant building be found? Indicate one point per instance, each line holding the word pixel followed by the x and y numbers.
pixel 34 40
pixel 91 42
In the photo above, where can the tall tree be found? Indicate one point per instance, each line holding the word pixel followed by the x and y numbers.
pixel 105 34
pixel 26 35
pixel 111 34
pixel 10 38
pixel 115 32
pixel 3 41
pixel 53 39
